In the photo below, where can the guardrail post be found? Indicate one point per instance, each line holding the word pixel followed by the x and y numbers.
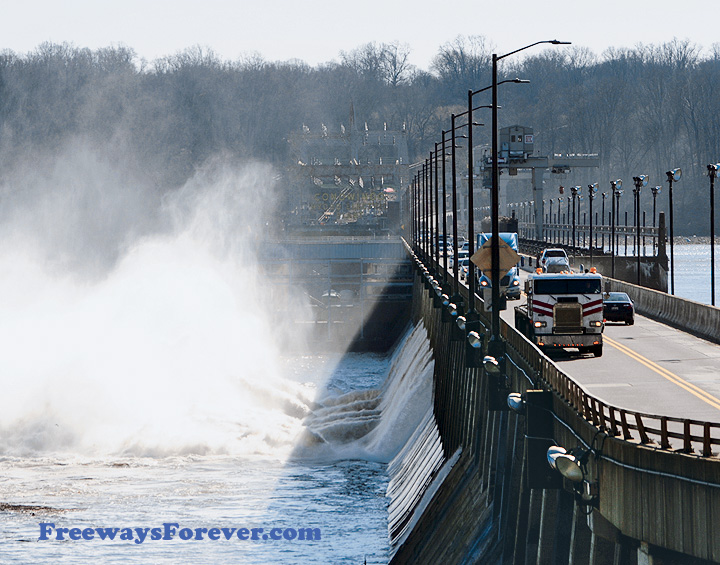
pixel 707 442
pixel 687 438
pixel 641 429
pixel 664 441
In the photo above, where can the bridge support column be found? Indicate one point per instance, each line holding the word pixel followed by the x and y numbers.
pixel 643 555
pixel 606 543
pixel 547 527
pixel 533 527
pixel 580 538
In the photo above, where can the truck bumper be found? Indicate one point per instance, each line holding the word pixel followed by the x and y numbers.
pixel 561 341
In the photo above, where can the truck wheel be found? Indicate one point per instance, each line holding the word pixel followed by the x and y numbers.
pixel 597 350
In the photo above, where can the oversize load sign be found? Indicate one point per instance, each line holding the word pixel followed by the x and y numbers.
pixel 482 258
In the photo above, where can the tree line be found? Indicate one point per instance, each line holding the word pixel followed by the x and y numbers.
pixel 644 110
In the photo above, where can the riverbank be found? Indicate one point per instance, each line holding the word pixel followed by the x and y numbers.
pixel 694 240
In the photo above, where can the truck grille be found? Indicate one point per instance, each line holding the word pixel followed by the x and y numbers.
pixel 568 318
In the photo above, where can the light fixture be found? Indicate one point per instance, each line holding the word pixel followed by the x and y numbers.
pixel 516 402
pixel 553 452
pixel 476 341
pixel 458 328
pixel 569 467
pixel 490 364
pixel 474 350
pixel 674 174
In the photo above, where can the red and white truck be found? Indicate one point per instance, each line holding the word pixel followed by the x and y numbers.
pixel 563 310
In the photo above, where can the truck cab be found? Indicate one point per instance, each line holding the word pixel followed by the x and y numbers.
pixel 563 310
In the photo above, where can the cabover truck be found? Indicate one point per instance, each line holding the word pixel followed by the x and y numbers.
pixel 563 310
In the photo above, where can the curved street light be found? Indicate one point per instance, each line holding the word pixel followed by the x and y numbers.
pixel 639 181
pixel 495 345
pixel 672 175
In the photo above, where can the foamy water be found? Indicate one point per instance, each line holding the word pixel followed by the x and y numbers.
pixel 143 381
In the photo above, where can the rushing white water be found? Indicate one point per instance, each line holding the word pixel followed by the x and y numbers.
pixel 142 381
pixel 374 424
pixel 164 347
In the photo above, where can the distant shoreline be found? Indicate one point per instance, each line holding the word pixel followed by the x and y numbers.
pixel 694 239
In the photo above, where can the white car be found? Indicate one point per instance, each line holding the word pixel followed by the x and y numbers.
pixel 463 267
pixel 461 255
pixel 552 252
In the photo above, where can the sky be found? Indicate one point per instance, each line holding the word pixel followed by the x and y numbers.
pixel 316 31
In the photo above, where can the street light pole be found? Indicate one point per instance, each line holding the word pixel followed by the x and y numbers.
pixel 472 314
pixel 639 181
pixel 655 191
pixel 712 173
pixel 602 222
pixel 454 207
pixel 592 190
pixel 574 192
pixel 672 175
pixel 616 186
pixel 436 215
pixel 495 346
pixel 444 214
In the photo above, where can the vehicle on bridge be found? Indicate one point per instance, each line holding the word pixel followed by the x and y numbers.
pixel 556 265
pixel 563 310
pixel 550 253
pixel 510 282
pixel 618 307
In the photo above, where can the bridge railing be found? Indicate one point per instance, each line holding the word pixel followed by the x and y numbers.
pixel 658 431
pixel 695 436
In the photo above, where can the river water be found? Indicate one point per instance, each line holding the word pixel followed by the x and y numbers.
pixel 325 470
pixel 146 392
pixel 692 272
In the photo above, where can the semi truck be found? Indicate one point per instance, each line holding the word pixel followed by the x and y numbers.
pixel 563 310
pixel 510 281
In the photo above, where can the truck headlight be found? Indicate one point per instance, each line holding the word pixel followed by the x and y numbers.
pixel 540 324
pixel 596 324
pixel 483 283
pixel 516 282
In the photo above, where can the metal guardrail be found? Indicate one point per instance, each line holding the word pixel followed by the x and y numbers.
pixel 630 425
pixel 658 431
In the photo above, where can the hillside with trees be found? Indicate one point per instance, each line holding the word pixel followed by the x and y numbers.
pixel 643 110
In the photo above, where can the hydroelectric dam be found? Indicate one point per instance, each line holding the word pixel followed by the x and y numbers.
pixel 641 424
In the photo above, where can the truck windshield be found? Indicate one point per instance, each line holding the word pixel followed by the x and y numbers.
pixel 567 286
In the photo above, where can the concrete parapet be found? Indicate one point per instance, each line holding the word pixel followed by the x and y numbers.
pixel 495 503
pixel 699 319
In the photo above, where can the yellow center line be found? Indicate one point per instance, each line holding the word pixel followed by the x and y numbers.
pixel 672 377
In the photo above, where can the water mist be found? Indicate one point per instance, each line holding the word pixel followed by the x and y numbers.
pixel 134 323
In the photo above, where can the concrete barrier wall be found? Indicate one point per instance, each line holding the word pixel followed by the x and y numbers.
pixel 699 319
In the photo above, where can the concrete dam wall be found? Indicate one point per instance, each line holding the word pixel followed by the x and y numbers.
pixel 473 484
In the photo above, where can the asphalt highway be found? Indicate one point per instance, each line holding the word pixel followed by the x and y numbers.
pixel 648 367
